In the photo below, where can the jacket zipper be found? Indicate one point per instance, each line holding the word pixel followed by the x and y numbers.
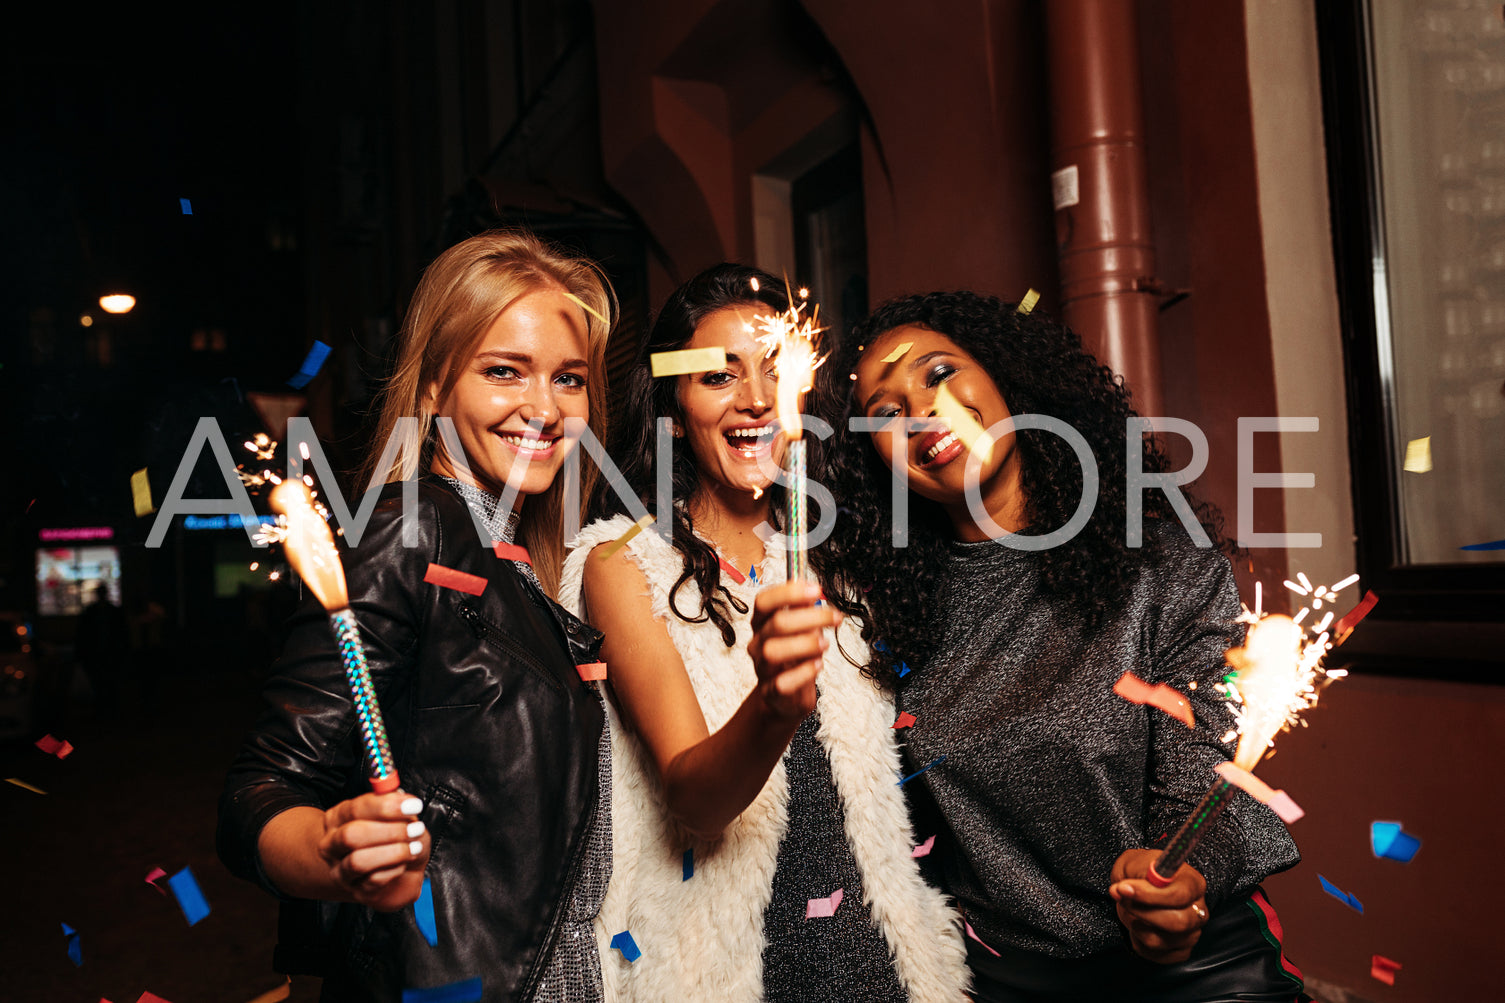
pixel 484 630
pixel 566 894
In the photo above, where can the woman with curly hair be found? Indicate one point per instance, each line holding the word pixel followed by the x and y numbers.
pixel 1017 611
pixel 754 765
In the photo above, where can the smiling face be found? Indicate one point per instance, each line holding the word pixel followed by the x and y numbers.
pixel 935 460
pixel 727 414
pixel 513 392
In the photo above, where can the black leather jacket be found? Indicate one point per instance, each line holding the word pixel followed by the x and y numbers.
pixel 490 725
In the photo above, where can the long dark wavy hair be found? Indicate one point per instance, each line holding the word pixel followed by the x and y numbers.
pixel 646 399
pixel 1039 367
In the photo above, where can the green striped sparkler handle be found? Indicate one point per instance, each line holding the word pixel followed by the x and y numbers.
pixel 363 695
pixel 1202 818
pixel 796 566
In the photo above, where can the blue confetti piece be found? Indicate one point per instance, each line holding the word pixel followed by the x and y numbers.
pixel 752 573
pixel 468 991
pixel 1349 900
pixel 423 914
pixel 190 897
pixel 1392 842
pixel 1492 545
pixel 902 669
pixel 689 864
pixel 75 949
pixel 623 942
pixel 312 363
pixel 186 206
pixel 934 762
pixel 880 646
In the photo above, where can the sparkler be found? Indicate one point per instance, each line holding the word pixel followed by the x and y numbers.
pixel 790 339
pixel 1278 673
pixel 311 551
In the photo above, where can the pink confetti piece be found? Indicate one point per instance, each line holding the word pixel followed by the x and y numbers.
pixel 923 850
pixel 905 720
pixel 156 874
pixel 824 908
pixel 1351 619
pixel 511 552
pixel 1279 801
pixel 1161 696
pixel 1383 969
pixel 449 578
pixel 973 934
pixel 592 671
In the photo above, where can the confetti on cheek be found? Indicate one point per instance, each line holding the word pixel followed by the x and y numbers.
pixel 899 352
pixel 1383 969
pixel 141 493
pixel 55 746
pixel 449 578
pixel 21 783
pixel 1159 696
pixel 689 864
pixel 824 908
pixel 623 942
pixel 973 934
pixel 923 850
pixel 190 897
pixel 686 361
pixel 1392 842
pixel 511 552
pixel 1278 801
pixel 592 672
pixel 963 425
pixel 1347 899
pixel 611 548
pixel 1027 303
pixel 466 991
pixel 423 914
pixel 905 720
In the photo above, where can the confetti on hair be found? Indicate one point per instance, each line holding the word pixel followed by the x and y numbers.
pixel 587 308
pixel 1027 303
pixel 687 360
pixel 449 578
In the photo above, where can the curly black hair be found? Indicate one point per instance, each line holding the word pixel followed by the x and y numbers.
pixel 646 399
pixel 1039 367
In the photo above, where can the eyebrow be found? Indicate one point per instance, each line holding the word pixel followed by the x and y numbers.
pixel 523 357
pixel 913 365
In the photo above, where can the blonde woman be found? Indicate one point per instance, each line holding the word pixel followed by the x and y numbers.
pixel 499 745
pixel 756 767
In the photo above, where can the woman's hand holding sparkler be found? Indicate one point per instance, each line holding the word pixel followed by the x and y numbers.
pixel 789 640
pixel 369 849
pixel 1163 923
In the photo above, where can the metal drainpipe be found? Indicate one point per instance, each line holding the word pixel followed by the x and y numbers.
pixel 1104 240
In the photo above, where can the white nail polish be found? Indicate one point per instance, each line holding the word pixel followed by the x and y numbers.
pixel 415 847
pixel 410 806
pixel 415 829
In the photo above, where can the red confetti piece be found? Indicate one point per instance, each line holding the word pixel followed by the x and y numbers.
pixel 731 569
pixel 1351 619
pixel 1161 696
pixel 511 552
pixel 905 720
pixel 592 671
pixel 55 746
pixel 1383 969
pixel 150 997
pixel 449 578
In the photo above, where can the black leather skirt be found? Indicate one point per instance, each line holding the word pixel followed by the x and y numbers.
pixel 1238 959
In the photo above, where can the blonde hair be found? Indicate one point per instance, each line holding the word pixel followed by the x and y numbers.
pixel 459 297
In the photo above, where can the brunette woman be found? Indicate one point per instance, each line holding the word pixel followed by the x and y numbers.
pixel 499 744
pixel 755 774
pixel 1053 791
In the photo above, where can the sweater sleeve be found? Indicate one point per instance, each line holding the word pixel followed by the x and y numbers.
pixel 305 749
pixel 1195 625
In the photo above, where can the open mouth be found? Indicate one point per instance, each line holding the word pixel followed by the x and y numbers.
pixel 530 443
pixel 939 448
pixel 749 440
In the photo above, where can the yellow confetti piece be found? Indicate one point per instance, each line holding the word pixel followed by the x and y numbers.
pixel 141 493
pixel 1028 302
pixel 899 352
pixel 22 783
pixel 972 435
pixel 282 992
pixel 586 307
pixel 622 540
pixel 687 360
pixel 1419 455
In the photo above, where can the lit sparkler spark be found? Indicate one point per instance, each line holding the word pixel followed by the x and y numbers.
pixel 272 532
pixel 263 446
pixel 790 339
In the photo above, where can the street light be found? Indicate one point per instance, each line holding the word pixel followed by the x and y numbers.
pixel 117 303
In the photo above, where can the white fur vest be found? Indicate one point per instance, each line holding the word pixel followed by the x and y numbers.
pixel 702 939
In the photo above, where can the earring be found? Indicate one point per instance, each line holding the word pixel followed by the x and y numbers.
pixel 676 431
